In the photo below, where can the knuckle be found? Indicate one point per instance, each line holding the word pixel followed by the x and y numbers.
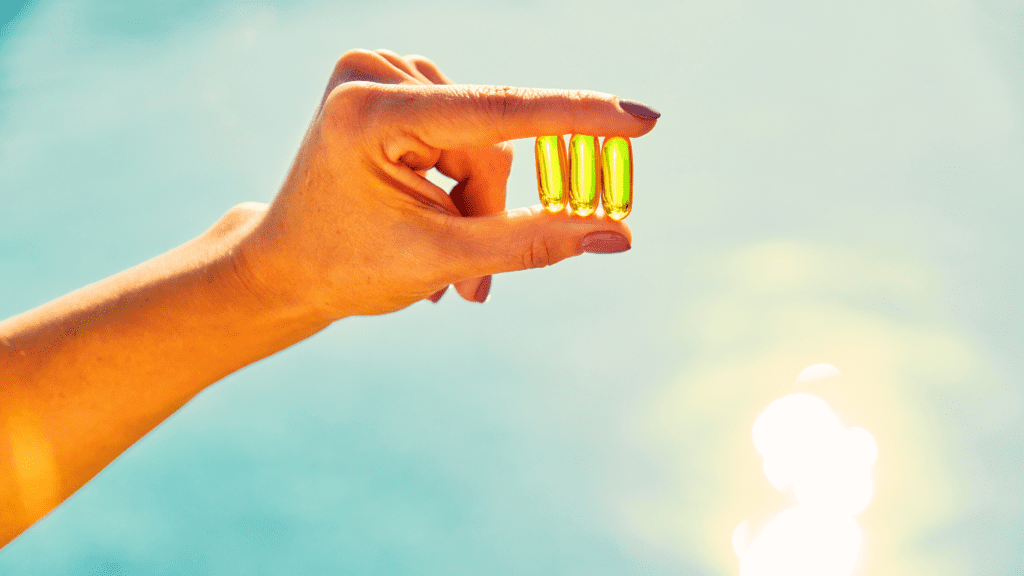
pixel 359 65
pixel 348 102
pixel 539 253
pixel 360 107
pixel 354 59
pixel 502 102
pixel 421 61
pixel 425 66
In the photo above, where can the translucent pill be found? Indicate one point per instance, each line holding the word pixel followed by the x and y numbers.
pixel 617 168
pixel 552 176
pixel 584 174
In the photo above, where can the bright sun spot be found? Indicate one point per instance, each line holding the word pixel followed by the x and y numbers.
pixel 805 448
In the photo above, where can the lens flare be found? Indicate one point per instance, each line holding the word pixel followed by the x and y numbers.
pixel 805 448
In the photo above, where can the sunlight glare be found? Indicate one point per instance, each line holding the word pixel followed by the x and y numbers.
pixel 805 448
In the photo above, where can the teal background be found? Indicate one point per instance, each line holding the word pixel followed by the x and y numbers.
pixel 9 11
pixel 828 180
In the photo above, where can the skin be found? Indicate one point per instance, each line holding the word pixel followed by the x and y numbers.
pixel 356 229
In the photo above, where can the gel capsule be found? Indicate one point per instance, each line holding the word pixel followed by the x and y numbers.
pixel 552 175
pixel 617 168
pixel 584 174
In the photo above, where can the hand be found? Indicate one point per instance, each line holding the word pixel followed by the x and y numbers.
pixel 357 229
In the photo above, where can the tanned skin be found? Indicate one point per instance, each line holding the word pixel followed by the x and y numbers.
pixel 356 229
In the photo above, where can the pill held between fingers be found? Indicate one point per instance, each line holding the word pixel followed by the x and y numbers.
pixel 584 174
pixel 552 176
pixel 617 171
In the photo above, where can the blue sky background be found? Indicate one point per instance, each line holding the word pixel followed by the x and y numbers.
pixel 829 182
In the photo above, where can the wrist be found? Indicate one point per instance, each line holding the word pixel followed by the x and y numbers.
pixel 255 280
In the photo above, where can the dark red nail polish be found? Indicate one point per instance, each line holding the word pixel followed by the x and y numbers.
pixel 483 290
pixel 437 295
pixel 639 109
pixel 605 243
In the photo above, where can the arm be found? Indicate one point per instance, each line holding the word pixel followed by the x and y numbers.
pixel 356 229
pixel 85 376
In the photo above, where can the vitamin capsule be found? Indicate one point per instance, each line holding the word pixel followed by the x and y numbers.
pixel 617 168
pixel 584 174
pixel 552 176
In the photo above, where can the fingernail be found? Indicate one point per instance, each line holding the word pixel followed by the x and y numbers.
pixel 639 109
pixel 437 295
pixel 483 290
pixel 605 243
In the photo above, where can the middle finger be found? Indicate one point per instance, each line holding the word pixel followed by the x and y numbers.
pixel 404 65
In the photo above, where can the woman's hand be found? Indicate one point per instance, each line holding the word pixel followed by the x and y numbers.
pixel 357 229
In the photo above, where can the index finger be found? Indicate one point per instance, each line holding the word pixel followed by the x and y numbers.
pixel 448 117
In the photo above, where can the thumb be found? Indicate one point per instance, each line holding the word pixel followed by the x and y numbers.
pixel 528 238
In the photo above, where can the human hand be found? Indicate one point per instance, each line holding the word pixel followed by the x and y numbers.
pixel 357 229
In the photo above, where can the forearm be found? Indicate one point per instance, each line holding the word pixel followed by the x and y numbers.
pixel 85 376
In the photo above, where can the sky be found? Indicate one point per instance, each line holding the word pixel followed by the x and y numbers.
pixel 830 183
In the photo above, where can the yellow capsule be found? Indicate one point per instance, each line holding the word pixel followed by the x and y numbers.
pixel 584 174
pixel 552 176
pixel 617 168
